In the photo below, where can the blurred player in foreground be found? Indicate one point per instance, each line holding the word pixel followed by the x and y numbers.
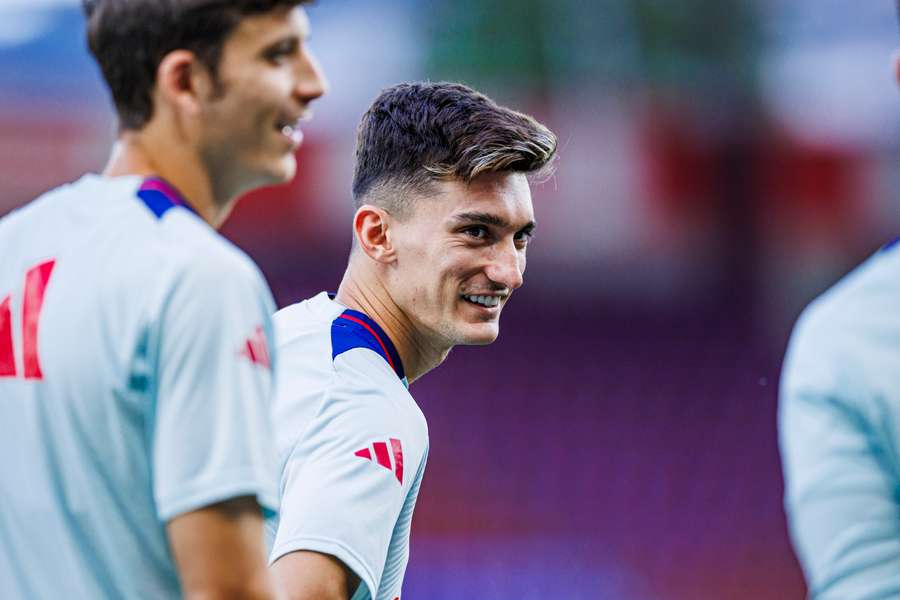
pixel 839 427
pixel 135 373
pixel 442 225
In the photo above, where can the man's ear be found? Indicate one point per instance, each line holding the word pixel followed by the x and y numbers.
pixel 371 228
pixel 182 82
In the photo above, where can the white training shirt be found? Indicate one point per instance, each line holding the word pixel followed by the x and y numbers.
pixel 839 427
pixel 352 444
pixel 135 385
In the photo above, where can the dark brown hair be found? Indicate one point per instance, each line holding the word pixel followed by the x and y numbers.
pixel 129 38
pixel 416 133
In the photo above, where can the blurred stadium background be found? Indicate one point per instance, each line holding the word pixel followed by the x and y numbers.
pixel 721 163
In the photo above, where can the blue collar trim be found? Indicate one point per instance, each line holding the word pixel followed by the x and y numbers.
pixel 353 329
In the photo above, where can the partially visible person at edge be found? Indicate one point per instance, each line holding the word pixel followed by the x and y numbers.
pixel 839 427
pixel 135 342
pixel 443 221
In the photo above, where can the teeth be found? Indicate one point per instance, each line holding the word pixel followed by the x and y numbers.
pixel 294 132
pixel 489 301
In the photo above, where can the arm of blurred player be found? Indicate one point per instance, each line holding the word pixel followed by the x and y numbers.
pixel 841 501
pixel 307 575
pixel 840 477
pixel 219 552
pixel 213 461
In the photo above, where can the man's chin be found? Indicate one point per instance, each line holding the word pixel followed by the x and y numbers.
pixel 480 335
pixel 278 171
pixel 285 171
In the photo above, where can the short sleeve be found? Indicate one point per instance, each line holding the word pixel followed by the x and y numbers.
pixel 841 491
pixel 346 481
pixel 212 432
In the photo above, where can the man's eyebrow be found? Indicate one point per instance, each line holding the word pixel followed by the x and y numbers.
pixel 489 219
pixel 285 43
pixel 529 226
pixel 295 38
pixel 480 217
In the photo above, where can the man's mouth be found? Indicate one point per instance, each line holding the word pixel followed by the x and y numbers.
pixel 290 129
pixel 486 301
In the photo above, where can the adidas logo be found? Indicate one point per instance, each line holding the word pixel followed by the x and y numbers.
pixel 256 349
pixel 383 456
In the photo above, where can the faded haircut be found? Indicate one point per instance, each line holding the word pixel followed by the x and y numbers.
pixel 415 134
pixel 129 39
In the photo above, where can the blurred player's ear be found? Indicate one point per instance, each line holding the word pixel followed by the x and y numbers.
pixel 370 228
pixel 181 80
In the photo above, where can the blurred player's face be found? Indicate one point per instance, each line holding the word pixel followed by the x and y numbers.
pixel 460 255
pixel 267 78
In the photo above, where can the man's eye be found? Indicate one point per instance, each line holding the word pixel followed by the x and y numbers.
pixel 280 52
pixel 476 232
pixel 524 236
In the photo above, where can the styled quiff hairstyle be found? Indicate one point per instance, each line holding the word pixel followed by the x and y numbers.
pixel 129 38
pixel 415 134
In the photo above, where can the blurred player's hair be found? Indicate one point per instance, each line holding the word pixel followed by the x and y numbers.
pixel 129 38
pixel 417 133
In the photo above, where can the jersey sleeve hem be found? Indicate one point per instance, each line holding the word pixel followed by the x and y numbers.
pixel 328 546
pixel 232 485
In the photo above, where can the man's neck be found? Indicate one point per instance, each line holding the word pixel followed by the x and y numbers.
pixel 368 295
pixel 147 154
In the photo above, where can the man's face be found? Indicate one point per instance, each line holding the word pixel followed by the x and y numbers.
pixel 267 79
pixel 460 255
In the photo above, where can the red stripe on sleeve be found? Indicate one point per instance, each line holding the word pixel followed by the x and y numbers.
pixel 35 285
pixel 381 454
pixel 397 449
pixel 7 354
pixel 249 352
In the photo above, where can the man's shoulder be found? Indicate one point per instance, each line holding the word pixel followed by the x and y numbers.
pixel 107 217
pixel 169 231
pixel 213 256
pixel 77 205
pixel 862 301
pixel 316 312
pixel 302 335
pixel 370 412
pixel 364 383
pixel 844 332
pixel 357 350
pixel 344 366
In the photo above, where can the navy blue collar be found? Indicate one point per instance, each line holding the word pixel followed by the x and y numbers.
pixel 354 329
pixel 159 195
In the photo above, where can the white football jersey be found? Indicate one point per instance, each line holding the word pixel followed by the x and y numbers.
pixel 839 426
pixel 352 444
pixel 135 385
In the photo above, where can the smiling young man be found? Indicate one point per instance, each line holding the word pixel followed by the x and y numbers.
pixel 135 362
pixel 442 226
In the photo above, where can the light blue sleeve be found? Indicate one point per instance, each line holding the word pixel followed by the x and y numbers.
pixel 212 433
pixel 841 490
pixel 334 500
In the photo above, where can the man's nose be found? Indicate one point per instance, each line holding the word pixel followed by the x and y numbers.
pixel 507 266
pixel 311 82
